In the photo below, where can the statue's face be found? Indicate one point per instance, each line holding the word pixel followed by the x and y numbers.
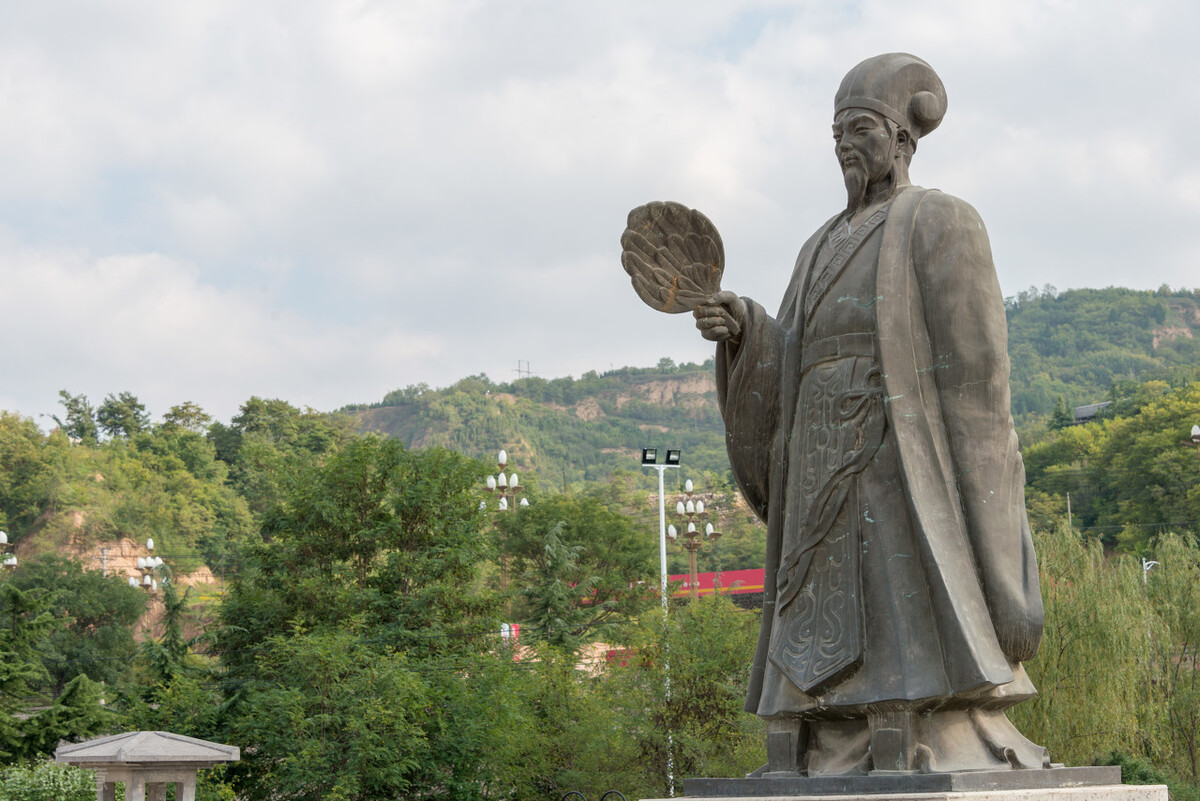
pixel 863 143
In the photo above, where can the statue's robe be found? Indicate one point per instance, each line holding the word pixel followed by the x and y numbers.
pixel 869 425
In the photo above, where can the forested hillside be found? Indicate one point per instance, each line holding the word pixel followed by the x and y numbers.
pixel 107 475
pixel 565 430
pixel 1128 477
pixel 1074 344
pixel 1069 347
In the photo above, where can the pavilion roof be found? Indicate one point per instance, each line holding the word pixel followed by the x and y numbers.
pixel 142 747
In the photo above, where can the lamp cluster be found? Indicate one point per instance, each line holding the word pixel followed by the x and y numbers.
pixel 506 486
pixel 150 567
pixel 689 511
pixel 10 557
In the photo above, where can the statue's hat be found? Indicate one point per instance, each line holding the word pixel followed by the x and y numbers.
pixel 899 86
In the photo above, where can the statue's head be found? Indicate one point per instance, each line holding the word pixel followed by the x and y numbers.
pixel 884 105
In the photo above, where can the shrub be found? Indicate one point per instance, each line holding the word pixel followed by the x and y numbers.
pixel 46 781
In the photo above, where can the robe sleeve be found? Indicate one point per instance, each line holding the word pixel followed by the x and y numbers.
pixel 968 337
pixel 748 389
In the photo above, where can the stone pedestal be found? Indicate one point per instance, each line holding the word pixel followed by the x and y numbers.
pixel 1103 792
pixel 1050 784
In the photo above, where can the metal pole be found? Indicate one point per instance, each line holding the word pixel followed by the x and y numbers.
pixel 662 535
pixel 694 577
pixel 662 563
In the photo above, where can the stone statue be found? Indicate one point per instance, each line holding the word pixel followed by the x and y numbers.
pixel 868 424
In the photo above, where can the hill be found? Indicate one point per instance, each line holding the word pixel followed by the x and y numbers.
pixel 1072 345
pixel 1076 344
pixel 565 431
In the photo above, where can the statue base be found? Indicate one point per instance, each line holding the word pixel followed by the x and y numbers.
pixel 1048 784
pixel 1106 792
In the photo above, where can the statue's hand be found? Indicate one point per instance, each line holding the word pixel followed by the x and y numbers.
pixel 722 318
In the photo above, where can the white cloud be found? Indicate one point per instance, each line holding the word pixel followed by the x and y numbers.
pixel 145 323
pixel 347 195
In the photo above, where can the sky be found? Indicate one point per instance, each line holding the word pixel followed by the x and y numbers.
pixel 320 201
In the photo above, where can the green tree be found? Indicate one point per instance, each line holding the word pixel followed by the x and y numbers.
pixel 26 618
pixel 560 601
pixel 122 415
pixel 1174 591
pixel 1093 668
pixel 270 442
pixel 1061 417
pixel 1130 476
pixel 1145 475
pixel 97 615
pixel 328 717
pixel 1080 342
pixel 381 534
pixel 554 727
pixel 705 648
pixel 77 714
pixel 580 564
pixel 80 417
pixel 170 654
pixel 187 415
pixel 358 623
pixel 25 473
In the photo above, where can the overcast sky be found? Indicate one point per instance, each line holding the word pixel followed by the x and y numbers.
pixel 205 200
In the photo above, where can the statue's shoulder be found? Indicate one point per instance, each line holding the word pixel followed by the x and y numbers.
pixel 949 240
pixel 936 206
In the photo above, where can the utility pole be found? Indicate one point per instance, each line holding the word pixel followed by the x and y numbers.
pixel 650 459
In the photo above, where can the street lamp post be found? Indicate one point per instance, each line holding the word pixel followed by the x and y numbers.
pixel 689 511
pixel 650 459
pixel 506 486
pixel 1146 565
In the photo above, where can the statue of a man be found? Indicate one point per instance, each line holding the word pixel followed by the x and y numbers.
pixel 868 424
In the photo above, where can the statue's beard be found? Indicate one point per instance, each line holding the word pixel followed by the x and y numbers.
pixel 856 181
